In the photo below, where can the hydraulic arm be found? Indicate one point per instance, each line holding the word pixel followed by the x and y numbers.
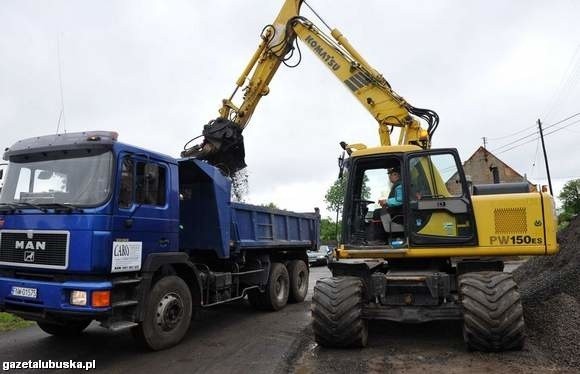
pixel 223 141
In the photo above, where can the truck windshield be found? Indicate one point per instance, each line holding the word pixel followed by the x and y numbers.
pixel 72 178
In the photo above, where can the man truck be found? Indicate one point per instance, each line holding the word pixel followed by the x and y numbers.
pixel 94 229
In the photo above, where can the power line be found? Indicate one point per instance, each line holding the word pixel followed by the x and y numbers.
pixel 567 83
pixel 546 134
pixel 512 134
pixel 535 158
pixel 515 141
pixel 534 133
pixel 61 114
pixel 562 128
pixel 564 120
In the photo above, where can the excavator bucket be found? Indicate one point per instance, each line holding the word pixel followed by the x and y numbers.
pixel 222 147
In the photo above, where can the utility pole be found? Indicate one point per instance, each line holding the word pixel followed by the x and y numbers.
pixel 545 157
pixel 484 142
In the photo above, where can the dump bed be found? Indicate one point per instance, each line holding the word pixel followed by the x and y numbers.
pixel 260 227
pixel 210 221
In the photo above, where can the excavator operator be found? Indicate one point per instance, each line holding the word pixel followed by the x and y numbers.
pixel 394 203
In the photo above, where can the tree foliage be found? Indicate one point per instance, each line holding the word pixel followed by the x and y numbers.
pixel 328 229
pixel 334 197
pixel 570 196
pixel 270 205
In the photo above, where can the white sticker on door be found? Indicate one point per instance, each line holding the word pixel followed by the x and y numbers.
pixel 126 256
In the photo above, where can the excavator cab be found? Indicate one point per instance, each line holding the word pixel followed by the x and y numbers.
pixel 436 207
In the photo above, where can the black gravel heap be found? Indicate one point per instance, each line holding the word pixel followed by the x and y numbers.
pixel 550 289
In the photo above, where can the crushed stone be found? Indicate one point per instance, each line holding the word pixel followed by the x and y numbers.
pixel 550 291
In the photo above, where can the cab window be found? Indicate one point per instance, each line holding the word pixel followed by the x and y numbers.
pixel 142 183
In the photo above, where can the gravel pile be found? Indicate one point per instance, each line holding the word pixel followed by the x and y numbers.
pixel 550 289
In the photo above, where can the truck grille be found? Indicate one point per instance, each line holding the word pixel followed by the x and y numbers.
pixel 40 249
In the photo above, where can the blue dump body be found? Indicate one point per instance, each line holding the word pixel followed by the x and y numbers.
pixel 96 215
pixel 209 221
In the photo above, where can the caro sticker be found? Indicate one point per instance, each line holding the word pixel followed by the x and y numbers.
pixel 126 256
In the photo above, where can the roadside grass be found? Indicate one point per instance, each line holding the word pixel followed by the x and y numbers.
pixel 10 322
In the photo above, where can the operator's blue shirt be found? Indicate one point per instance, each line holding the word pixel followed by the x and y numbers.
pixel 396 196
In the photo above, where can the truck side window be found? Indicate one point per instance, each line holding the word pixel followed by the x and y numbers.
pixel 127 177
pixel 150 184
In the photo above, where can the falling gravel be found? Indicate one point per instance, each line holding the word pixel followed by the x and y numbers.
pixel 240 186
pixel 550 289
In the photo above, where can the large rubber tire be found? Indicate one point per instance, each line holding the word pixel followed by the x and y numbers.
pixel 167 315
pixel 493 318
pixel 337 313
pixel 299 274
pixel 65 328
pixel 276 293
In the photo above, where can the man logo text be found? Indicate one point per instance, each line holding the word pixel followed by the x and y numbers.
pixel 21 244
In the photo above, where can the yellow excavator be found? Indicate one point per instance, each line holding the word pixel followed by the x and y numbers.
pixel 434 248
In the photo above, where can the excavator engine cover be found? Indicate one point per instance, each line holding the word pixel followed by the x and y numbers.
pixel 223 146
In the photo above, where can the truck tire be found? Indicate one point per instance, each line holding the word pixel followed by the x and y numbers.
pixel 275 296
pixel 167 315
pixel 493 318
pixel 65 328
pixel 337 313
pixel 298 273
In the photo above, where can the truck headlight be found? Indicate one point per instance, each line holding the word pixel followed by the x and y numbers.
pixel 78 298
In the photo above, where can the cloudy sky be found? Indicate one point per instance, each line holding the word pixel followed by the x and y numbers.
pixel 156 71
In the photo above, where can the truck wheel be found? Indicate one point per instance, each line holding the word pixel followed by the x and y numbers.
pixel 298 273
pixel 167 315
pixel 337 313
pixel 493 318
pixel 66 328
pixel 275 296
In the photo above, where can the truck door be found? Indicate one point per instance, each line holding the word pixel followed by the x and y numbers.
pixel 143 222
pixel 439 203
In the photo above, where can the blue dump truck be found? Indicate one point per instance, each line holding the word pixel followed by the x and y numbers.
pixel 94 229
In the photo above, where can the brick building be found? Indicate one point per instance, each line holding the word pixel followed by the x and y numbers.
pixel 483 167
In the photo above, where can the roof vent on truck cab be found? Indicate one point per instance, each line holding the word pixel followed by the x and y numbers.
pixel 95 136
pixel 57 142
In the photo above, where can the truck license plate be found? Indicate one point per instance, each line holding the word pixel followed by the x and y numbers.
pixel 24 292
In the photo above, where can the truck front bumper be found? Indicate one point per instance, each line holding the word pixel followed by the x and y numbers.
pixel 38 300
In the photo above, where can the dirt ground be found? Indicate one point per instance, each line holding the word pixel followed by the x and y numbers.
pixel 435 347
pixel 427 348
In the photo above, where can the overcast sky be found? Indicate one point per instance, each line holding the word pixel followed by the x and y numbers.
pixel 156 71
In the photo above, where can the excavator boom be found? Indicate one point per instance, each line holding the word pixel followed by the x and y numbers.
pixel 223 141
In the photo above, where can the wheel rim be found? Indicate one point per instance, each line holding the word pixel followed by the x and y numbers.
pixel 280 287
pixel 169 311
pixel 302 281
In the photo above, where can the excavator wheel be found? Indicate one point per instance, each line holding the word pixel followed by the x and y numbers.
pixel 337 313
pixel 493 319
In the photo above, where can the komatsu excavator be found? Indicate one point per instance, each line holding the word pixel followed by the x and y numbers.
pixel 435 254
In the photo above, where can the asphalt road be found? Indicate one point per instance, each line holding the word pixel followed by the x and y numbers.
pixel 237 339
pixel 232 338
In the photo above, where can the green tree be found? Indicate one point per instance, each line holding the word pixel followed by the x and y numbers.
pixel 564 219
pixel 328 229
pixel 270 205
pixel 570 196
pixel 334 197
